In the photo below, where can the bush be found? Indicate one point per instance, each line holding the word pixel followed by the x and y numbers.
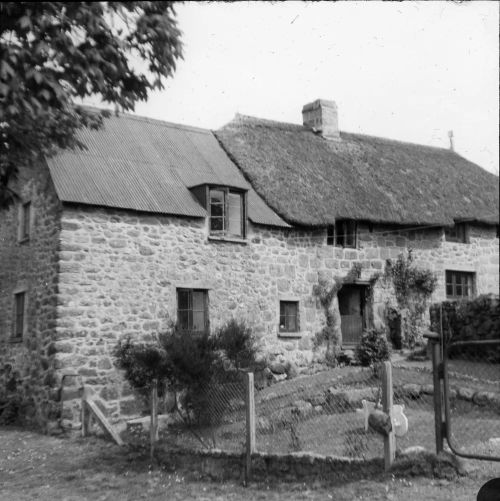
pixel 373 348
pixel 194 365
pixel 142 364
pixel 236 340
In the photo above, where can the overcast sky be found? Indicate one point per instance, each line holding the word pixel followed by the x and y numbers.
pixel 410 71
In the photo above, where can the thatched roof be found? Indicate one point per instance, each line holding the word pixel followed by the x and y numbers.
pixel 312 181
pixel 149 165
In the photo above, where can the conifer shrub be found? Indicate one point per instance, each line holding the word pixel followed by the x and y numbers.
pixel 195 365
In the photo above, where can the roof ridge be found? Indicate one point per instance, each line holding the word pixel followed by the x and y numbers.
pixel 265 122
pixel 141 118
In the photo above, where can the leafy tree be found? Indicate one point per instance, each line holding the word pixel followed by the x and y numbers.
pixel 53 53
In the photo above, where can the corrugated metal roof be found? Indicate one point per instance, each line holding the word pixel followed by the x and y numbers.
pixel 149 165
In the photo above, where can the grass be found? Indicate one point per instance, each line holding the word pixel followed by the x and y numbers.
pixel 34 466
pixel 336 428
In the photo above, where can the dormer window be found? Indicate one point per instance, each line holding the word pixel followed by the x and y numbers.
pixel 227 212
pixel 457 233
pixel 346 233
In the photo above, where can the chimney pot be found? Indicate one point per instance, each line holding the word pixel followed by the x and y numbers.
pixel 322 116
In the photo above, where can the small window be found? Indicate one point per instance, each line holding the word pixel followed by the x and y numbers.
pixel 192 310
pixel 346 233
pixel 19 315
pixel 24 221
pixel 227 213
pixel 289 316
pixel 460 284
pixel 456 233
pixel 330 235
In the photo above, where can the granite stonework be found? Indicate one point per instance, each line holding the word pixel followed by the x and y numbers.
pixel 27 366
pixel 119 273
pixel 96 275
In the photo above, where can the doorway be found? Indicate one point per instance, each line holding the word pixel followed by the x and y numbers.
pixel 353 313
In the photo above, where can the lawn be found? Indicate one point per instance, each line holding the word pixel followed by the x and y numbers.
pixel 34 466
pixel 288 422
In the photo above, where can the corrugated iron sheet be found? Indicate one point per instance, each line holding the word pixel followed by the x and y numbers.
pixel 149 165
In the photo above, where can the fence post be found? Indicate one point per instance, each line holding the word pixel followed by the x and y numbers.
pixel 153 429
pixel 390 439
pixel 434 340
pixel 250 424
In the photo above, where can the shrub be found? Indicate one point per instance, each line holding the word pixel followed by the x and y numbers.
pixel 373 348
pixel 236 340
pixel 142 364
pixel 194 365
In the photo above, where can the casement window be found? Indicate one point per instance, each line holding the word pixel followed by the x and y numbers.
pixel 289 316
pixel 460 284
pixel 192 310
pixel 19 315
pixel 346 233
pixel 227 213
pixel 330 235
pixel 24 221
pixel 457 233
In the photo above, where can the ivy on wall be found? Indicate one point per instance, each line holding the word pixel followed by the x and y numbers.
pixel 326 291
pixel 413 287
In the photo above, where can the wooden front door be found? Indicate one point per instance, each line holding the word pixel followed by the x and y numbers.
pixel 352 306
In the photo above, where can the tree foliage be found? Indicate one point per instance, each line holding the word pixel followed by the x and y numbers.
pixel 53 53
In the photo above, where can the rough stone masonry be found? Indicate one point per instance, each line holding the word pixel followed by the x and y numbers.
pixel 95 275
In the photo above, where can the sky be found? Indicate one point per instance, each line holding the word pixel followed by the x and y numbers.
pixel 410 70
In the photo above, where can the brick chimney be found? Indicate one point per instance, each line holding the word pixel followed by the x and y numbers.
pixel 322 116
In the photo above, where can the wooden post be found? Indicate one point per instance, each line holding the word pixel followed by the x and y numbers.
pixel 434 340
pixel 250 424
pixel 390 439
pixel 153 429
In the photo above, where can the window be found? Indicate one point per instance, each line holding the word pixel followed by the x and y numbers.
pixel 19 315
pixel 330 232
pixel 289 316
pixel 459 284
pixel 192 310
pixel 24 221
pixel 227 213
pixel 456 233
pixel 346 233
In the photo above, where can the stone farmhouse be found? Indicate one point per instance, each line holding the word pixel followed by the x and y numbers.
pixel 155 222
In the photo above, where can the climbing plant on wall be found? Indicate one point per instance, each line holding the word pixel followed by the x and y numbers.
pixel 326 291
pixel 413 288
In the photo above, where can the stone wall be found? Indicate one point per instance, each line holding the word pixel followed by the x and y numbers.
pixel 294 467
pixel 119 273
pixel 27 365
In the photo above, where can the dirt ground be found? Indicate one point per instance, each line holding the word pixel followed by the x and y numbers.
pixel 34 466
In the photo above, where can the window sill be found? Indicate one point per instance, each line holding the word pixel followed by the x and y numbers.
pixel 15 340
pixel 233 240
pixel 23 240
pixel 290 335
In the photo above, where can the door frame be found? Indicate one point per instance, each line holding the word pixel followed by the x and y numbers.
pixel 365 306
